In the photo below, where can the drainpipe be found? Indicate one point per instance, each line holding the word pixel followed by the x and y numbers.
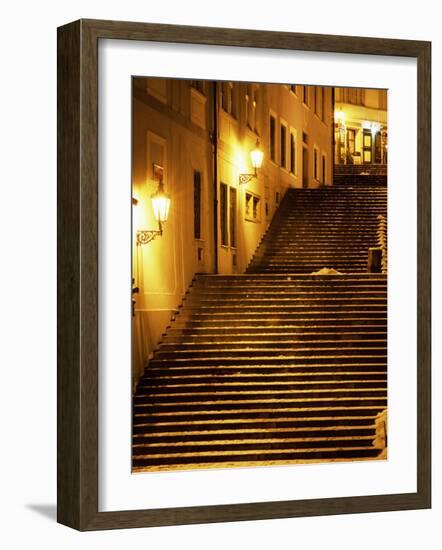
pixel 333 136
pixel 215 172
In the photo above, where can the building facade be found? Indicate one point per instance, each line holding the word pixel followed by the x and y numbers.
pixel 361 126
pixel 201 133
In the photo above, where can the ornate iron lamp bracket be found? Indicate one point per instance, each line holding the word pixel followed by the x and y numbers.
pixel 245 178
pixel 147 235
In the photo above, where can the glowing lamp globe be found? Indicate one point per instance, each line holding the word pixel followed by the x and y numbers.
pixel 256 156
pixel 160 204
pixel 340 116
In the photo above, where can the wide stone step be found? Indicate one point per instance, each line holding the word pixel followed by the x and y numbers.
pixel 275 331
pixel 324 231
pixel 355 205
pixel 322 377
pixel 166 386
pixel 249 338
pixel 325 372
pixel 271 344
pixel 289 253
pixel 290 294
pixel 257 353
pixel 293 362
pixel 268 323
pixel 261 413
pixel 306 269
pixel 283 305
pixel 251 396
pixel 285 290
pixel 254 434
pixel 264 317
pixel 334 288
pixel 368 277
pixel 297 258
pixel 147 450
pixel 287 249
pixel 312 264
pixel 318 225
pixel 247 458
pixel 294 282
pixel 322 243
pixel 344 195
pixel 322 420
pixel 219 406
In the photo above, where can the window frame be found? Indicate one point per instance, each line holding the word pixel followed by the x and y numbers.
pixel 250 195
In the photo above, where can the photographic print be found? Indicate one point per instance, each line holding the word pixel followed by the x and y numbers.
pixel 222 275
pixel 259 274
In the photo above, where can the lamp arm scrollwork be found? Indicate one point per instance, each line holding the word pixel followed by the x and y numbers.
pixel 144 236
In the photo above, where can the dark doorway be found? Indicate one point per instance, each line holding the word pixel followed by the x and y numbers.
pixel 378 148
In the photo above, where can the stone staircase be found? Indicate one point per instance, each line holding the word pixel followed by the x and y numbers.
pixel 277 366
pixel 360 174
pixel 316 228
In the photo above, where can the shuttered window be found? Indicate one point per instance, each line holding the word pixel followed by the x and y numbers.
pixel 223 215
pixel 197 205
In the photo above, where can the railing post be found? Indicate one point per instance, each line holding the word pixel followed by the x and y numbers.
pixel 382 241
pixel 374 263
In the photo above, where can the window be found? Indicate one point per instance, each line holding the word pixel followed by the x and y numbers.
pixel 351 141
pixel 228 98
pixel 253 206
pixel 292 153
pixel 223 215
pixel 355 96
pixel 323 169
pixel 277 198
pixel 255 108
pixel 323 104
pixel 198 85
pixel 283 146
pixel 272 138
pixel 249 116
pixel 305 137
pixel 315 164
pixel 228 215
pixel 315 98
pixel 293 89
pixel 157 87
pixel 367 145
pixel 305 95
pixel 197 205
pixel 382 99
pixel 251 106
pixel 225 96
pixel 232 217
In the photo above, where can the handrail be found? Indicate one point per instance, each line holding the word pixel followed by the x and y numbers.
pixel 382 240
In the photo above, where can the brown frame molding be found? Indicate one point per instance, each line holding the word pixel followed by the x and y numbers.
pixel 77 226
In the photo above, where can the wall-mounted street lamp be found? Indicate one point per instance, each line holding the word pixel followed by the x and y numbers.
pixel 256 157
pixel 340 117
pixel 160 204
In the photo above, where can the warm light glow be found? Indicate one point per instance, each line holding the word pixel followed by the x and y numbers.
pixel 375 128
pixel 257 156
pixel 160 204
pixel 340 116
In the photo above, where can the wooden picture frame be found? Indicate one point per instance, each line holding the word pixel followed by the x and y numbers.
pixel 78 274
